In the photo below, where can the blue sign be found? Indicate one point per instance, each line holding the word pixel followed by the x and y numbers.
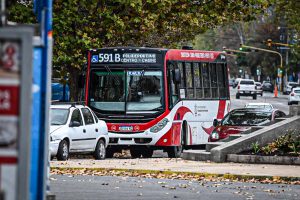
pixel 95 59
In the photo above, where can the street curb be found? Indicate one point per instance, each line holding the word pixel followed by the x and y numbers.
pixel 278 160
pixel 198 176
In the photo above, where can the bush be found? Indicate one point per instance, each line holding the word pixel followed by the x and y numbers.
pixel 288 144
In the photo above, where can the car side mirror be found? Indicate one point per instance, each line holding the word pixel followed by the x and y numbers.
pixel 216 122
pixel 176 76
pixel 74 124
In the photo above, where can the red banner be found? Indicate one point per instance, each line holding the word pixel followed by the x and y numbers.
pixel 9 100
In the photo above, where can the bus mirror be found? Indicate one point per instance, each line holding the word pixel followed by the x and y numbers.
pixel 176 76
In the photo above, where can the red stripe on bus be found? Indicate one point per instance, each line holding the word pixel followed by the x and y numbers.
pixel 221 110
pixel 87 78
pixel 8 160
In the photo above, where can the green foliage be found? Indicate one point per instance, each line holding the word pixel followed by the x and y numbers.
pixel 288 144
pixel 82 25
pixel 255 147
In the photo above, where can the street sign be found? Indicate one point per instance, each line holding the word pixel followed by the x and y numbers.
pixel 15 112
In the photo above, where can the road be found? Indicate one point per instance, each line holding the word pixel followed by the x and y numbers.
pixel 281 102
pixel 130 188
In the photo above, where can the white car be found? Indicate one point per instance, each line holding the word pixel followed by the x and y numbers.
pixel 76 129
pixel 289 86
pixel 246 87
pixel 294 96
pixel 260 106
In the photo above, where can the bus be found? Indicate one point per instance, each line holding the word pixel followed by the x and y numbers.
pixel 155 98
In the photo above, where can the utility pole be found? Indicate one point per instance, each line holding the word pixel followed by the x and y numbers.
pixel 3 13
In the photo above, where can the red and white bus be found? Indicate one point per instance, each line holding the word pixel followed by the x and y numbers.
pixel 155 98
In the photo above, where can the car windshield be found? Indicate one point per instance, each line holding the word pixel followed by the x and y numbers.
pixel 246 118
pixel 127 90
pixel 293 84
pixel 59 116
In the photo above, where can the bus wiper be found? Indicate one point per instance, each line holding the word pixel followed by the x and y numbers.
pixel 111 74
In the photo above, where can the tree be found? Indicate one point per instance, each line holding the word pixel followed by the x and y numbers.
pixel 82 25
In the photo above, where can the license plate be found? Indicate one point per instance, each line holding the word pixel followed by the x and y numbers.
pixel 126 128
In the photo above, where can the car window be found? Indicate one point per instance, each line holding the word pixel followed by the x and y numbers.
pixel 59 116
pixel 297 91
pixel 76 116
pixel 242 118
pixel 96 118
pixel 87 115
pixel 247 82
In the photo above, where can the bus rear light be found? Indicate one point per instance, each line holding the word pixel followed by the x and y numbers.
pixel 292 94
pixel 239 87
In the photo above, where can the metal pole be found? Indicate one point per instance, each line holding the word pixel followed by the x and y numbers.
pixel 3 15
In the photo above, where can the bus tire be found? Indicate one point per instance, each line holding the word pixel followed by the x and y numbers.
pixel 174 152
pixel 135 153
pixel 147 153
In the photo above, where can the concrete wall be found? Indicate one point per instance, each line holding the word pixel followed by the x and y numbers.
pixel 262 136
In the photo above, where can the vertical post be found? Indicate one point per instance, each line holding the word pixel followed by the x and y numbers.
pixel 3 15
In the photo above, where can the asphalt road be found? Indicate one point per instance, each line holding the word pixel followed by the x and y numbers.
pixel 130 188
pixel 281 102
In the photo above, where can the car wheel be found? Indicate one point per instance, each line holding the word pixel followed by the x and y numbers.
pixel 100 151
pixel 237 96
pixel 147 153
pixel 255 96
pixel 175 152
pixel 135 153
pixel 63 150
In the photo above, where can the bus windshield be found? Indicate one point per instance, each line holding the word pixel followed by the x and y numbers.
pixel 127 91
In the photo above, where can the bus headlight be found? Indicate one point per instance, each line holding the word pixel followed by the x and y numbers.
pixel 215 135
pixel 159 126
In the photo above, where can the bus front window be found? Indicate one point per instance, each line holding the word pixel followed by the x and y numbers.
pixel 126 91
pixel 144 91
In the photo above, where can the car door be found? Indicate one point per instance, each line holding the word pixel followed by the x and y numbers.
pixel 76 133
pixel 90 140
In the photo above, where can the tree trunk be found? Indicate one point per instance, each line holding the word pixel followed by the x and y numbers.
pixel 73 83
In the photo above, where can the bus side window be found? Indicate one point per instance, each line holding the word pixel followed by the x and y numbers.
pixel 198 81
pixel 206 80
pixel 172 86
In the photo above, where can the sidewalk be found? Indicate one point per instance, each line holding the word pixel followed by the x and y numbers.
pixel 179 165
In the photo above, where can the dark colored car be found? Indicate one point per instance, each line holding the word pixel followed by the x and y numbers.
pixel 267 86
pixel 242 119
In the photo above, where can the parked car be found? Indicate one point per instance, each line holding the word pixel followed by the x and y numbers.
pixel 246 87
pixel 259 88
pixel 294 96
pixel 289 86
pixel 267 86
pixel 260 106
pixel 76 129
pixel 240 120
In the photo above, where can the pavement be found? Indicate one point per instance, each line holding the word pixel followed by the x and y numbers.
pixel 183 166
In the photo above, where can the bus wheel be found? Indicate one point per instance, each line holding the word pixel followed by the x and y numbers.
pixel 135 153
pixel 175 152
pixel 147 153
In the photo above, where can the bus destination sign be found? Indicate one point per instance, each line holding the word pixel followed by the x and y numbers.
pixel 125 58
